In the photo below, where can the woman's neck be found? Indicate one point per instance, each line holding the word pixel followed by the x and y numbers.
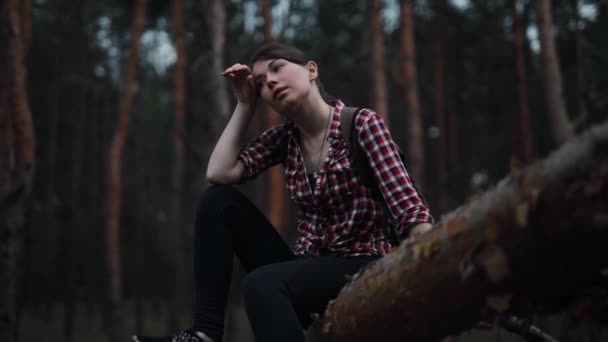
pixel 312 118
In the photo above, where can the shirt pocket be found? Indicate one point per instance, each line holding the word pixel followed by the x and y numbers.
pixel 296 186
pixel 340 182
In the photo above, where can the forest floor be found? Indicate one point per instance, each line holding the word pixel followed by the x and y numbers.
pixel 48 325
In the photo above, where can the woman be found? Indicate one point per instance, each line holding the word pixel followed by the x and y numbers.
pixel 339 221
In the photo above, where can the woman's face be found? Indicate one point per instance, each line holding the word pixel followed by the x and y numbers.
pixel 281 83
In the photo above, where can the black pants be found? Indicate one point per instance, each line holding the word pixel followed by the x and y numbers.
pixel 280 289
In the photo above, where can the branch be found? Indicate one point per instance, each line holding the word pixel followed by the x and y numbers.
pixel 526 245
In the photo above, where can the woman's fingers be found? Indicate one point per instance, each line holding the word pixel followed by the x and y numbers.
pixel 237 70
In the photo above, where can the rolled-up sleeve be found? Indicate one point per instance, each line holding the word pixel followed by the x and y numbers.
pixel 396 185
pixel 263 152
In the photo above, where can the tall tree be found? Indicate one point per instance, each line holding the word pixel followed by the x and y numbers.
pixel 17 154
pixel 581 108
pixel 177 232
pixel 527 146
pixel 378 72
pixel 116 329
pixel 214 12
pixel 73 231
pixel 276 187
pixel 410 89
pixel 440 7
pixel 558 118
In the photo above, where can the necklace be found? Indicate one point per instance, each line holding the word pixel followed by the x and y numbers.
pixel 320 158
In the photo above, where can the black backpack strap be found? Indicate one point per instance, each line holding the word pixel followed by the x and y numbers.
pixel 362 167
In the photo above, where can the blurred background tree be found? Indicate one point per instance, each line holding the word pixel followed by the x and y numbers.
pixel 484 82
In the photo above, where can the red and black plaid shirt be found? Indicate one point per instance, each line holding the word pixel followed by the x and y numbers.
pixel 340 215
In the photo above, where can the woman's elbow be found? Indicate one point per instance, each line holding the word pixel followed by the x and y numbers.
pixel 226 177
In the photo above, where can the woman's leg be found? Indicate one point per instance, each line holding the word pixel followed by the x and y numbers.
pixel 279 297
pixel 227 223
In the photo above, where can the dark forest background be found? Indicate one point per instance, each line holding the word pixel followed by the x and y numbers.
pixel 482 102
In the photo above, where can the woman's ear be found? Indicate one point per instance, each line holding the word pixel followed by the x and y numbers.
pixel 312 70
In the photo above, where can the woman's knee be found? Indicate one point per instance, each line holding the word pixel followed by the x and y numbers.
pixel 261 284
pixel 217 197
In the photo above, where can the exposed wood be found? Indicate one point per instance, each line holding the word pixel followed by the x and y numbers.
pixel 554 99
pixel 17 155
pixel 378 72
pixel 116 329
pixel 528 244
pixel 277 198
pixel 527 145
pixel 415 150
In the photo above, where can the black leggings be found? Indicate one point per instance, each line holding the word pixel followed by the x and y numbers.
pixel 280 289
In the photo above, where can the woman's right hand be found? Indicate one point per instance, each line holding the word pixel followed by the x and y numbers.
pixel 241 79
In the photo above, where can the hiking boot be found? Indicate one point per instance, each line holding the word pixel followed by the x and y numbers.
pixel 182 336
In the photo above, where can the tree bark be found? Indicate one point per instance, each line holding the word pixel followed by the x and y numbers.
pixel 277 198
pixel 215 15
pixel 378 72
pixel 116 328
pixel 581 108
pixel 558 118
pixel 527 146
pixel 17 155
pixel 176 229
pixel 412 101
pixel 528 244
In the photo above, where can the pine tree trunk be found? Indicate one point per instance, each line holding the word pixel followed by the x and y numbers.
pixel 581 115
pixel 215 16
pixel 440 105
pixel 176 229
pixel 558 118
pixel 527 146
pixel 17 155
pixel 531 243
pixel 74 247
pixel 277 198
pixel 416 134
pixel 116 328
pixel 378 72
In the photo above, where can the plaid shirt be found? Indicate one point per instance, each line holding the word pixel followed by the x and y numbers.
pixel 340 215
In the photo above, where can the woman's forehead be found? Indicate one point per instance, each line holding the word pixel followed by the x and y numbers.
pixel 260 67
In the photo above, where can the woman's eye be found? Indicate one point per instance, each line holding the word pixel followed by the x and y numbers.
pixel 260 84
pixel 276 67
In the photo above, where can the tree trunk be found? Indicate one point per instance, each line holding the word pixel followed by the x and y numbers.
pixel 276 200
pixel 215 15
pixel 116 328
pixel 412 101
pixel 529 244
pixel 17 155
pixel 378 75
pixel 558 118
pixel 581 115
pixel 74 247
pixel 527 146
pixel 176 229
pixel 440 105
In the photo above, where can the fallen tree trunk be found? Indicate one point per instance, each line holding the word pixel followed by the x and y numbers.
pixel 526 245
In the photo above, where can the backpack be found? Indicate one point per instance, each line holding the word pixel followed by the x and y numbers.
pixel 363 169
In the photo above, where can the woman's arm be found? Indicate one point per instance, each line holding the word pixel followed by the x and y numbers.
pixel 407 208
pixel 224 166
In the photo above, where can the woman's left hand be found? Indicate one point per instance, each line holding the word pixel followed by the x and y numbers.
pixel 419 230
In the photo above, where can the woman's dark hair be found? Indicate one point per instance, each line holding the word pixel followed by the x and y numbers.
pixel 292 54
